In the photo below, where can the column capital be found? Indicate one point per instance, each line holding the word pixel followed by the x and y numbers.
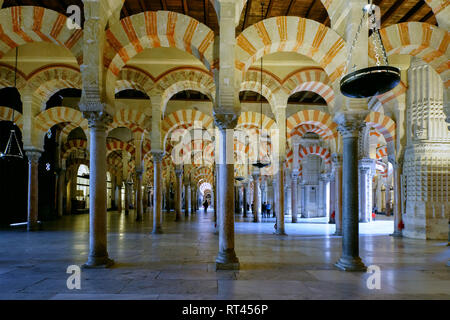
pixel 33 154
pixel 97 119
pixel 179 172
pixel 158 155
pixel 225 121
pixel 350 128
pixel 336 160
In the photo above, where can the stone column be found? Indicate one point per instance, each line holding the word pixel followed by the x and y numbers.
pixel 294 205
pixel 113 192
pixel 397 200
pixel 178 191
pixel 366 169
pixel 256 198
pixel 157 191
pixel 302 200
pixel 193 199
pixel 350 260
pixel 33 156
pixel 388 199
pixel 337 166
pixel 244 200
pixel 139 207
pixel 187 198
pixel 61 187
pixel 98 253
pixel 226 259
pixel 127 197
pixel 119 196
pixel 280 200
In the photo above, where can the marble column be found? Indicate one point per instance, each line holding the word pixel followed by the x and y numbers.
pixel 388 199
pixel 350 260
pixel 113 192
pixel 226 259
pixel 119 197
pixel 193 199
pixel 397 200
pixel 178 191
pixel 61 188
pixel 187 199
pixel 294 205
pixel 256 198
pixel 139 209
pixel 302 200
pixel 366 169
pixel 280 200
pixel 33 156
pixel 244 200
pixel 157 194
pixel 127 197
pixel 98 253
pixel 337 166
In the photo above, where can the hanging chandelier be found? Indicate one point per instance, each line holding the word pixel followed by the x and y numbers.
pixel 259 162
pixel 13 149
pixel 371 81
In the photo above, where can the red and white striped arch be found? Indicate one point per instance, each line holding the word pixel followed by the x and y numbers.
pixel 150 29
pixel 72 145
pixel 381 152
pixel 292 34
pixel 129 118
pixel 26 24
pixel 46 82
pixel 304 128
pixel 115 144
pixel 50 117
pixel 184 79
pixel 185 119
pixel 131 78
pixel 311 79
pixel 384 124
pixel 423 40
pixel 7 77
pixel 6 114
pixel 315 150
pixel 315 117
pixel 270 84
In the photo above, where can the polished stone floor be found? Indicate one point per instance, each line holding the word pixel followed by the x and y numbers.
pixel 179 264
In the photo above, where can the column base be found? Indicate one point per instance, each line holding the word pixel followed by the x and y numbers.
pixel 351 264
pixel 178 217
pixel 337 233
pixel 98 263
pixel 34 226
pixel 397 234
pixel 227 260
pixel 448 263
pixel 157 230
pixel 280 233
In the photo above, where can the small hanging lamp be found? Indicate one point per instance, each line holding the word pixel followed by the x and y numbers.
pixel 13 149
pixel 371 81
pixel 259 163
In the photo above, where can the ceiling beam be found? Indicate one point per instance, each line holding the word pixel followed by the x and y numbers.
pixel 185 7
pixel 391 10
pixel 291 2
pixel 269 9
pixel 163 4
pixel 247 10
pixel 427 17
pixel 143 6
pixel 412 11
pixel 309 8
pixel 206 11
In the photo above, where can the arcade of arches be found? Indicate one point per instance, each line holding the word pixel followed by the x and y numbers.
pixel 152 113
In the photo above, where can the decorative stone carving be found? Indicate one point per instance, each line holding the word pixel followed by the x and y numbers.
pixel 98 119
pixel 350 128
pixel 225 121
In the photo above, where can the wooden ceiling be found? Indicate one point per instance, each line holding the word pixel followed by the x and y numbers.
pixel 392 11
